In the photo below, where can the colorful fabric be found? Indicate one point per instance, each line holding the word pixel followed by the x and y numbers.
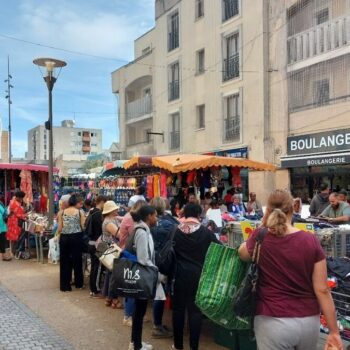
pixel 156 186
pixel 26 185
pixel 3 226
pixel 163 186
pixel 150 189
pixel 16 213
pixel 222 274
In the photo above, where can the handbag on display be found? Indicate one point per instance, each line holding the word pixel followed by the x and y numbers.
pixel 244 304
pixel 108 256
pixel 222 274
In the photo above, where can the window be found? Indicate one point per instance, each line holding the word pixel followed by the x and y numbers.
pixel 173 31
pixel 232 124
pixel 79 133
pixel 321 92
pixel 200 61
pixel 231 57
pixel 199 8
pixel 174 84
pixel 230 8
pixel 146 50
pixel 322 16
pixel 175 131
pixel 201 117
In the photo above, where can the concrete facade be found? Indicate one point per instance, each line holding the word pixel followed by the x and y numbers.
pixel 271 71
pixel 67 139
pixel 309 83
pixel 4 147
pixel 201 102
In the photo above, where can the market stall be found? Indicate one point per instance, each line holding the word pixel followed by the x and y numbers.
pixel 32 179
pixel 120 183
pixel 195 173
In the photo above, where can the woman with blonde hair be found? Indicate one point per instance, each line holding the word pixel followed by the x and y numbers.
pixel 292 285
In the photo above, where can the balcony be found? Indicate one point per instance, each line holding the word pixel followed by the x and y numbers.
pixel 321 39
pixel 231 67
pixel 175 140
pixel 139 108
pixel 232 130
pixel 174 90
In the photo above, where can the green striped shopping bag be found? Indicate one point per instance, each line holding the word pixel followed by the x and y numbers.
pixel 223 272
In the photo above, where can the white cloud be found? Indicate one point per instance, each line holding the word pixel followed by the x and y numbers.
pixel 78 29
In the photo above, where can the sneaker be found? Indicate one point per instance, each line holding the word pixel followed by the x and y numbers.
pixel 161 332
pixel 145 346
pixel 127 321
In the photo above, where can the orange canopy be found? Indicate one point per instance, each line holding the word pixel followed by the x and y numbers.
pixel 185 162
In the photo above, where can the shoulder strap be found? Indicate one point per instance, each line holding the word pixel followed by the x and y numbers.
pixel 258 242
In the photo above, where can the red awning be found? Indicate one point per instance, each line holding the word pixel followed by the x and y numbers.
pixel 30 167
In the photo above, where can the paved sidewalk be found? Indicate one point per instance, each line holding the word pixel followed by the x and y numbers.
pixel 21 329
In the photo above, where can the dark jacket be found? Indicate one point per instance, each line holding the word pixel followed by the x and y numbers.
pixel 191 246
pixel 318 203
pixel 162 232
pixel 96 218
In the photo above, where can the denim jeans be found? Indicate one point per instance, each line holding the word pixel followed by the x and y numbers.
pixel 158 311
pixel 129 307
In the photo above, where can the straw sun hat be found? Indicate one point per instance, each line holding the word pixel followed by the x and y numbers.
pixel 109 207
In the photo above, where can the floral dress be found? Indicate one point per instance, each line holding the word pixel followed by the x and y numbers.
pixel 16 213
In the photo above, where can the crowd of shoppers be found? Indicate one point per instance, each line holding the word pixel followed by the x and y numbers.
pixel 289 298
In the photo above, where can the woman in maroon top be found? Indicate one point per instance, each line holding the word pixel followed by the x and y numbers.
pixel 292 286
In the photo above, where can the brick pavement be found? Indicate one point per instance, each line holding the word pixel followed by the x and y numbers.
pixel 21 329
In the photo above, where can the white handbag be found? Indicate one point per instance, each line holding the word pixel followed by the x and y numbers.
pixel 107 258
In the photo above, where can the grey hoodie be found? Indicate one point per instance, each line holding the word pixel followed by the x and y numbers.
pixel 143 244
pixel 318 204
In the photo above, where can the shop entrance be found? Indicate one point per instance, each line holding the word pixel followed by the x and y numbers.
pixel 306 181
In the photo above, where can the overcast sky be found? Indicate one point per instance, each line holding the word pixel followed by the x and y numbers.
pixel 104 28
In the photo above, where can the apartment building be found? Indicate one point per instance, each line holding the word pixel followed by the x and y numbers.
pixel 309 93
pixel 4 146
pixel 198 84
pixel 67 140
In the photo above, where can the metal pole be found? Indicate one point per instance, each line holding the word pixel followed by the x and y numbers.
pixel 9 104
pixel 50 81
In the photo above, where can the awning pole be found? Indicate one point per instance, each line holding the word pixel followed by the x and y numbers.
pixel 5 187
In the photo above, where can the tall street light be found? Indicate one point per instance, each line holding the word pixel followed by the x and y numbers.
pixel 51 65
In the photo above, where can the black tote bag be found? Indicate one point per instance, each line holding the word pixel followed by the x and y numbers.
pixel 131 279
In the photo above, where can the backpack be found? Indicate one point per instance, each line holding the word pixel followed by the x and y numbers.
pixel 166 257
pixel 5 214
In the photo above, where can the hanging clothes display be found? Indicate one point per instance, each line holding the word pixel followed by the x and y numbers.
pixel 163 186
pixel 26 185
pixel 156 186
pixel 150 189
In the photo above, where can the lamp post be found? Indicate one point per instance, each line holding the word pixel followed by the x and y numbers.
pixel 50 65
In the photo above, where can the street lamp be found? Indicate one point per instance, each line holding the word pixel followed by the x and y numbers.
pixel 50 77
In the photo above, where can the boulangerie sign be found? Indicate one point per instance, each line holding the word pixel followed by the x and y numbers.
pixel 323 142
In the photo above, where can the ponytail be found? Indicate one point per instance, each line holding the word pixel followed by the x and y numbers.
pixel 277 222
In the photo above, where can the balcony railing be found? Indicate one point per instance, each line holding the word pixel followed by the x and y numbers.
pixel 175 140
pixel 319 103
pixel 174 90
pixel 320 39
pixel 139 108
pixel 232 130
pixel 231 67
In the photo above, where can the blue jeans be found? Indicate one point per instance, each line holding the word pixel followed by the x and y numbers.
pixel 158 311
pixel 129 307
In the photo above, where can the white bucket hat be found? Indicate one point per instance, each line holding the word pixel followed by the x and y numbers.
pixel 109 207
